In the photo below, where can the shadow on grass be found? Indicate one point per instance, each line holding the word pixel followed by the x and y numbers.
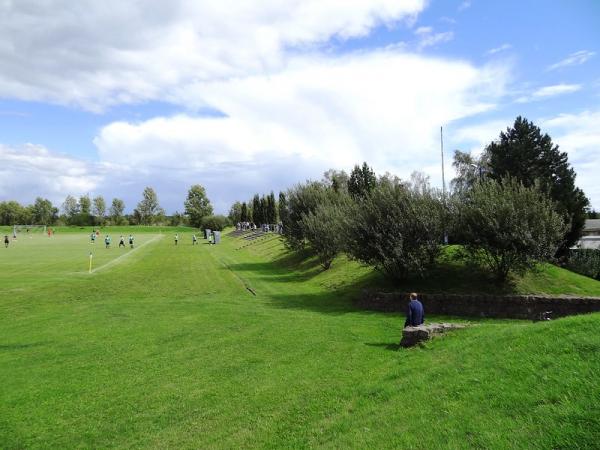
pixel 451 277
pixel 9 347
pixel 337 300
pixel 385 345
pixel 334 303
pixel 291 267
pixel 335 295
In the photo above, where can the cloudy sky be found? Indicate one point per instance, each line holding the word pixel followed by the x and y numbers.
pixel 107 97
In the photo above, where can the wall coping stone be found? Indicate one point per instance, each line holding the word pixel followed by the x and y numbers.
pixel 531 307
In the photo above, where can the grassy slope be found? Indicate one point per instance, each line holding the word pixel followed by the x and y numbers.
pixel 170 349
pixel 452 275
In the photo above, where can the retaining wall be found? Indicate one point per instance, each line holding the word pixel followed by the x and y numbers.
pixel 510 306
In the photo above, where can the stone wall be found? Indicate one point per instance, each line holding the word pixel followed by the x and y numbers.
pixel 511 306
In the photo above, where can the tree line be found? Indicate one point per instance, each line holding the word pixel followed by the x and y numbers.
pixel 261 209
pixel 86 211
pixel 513 206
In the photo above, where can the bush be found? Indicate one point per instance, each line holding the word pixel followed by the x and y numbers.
pixel 396 229
pixel 585 262
pixel 323 228
pixel 302 200
pixel 215 223
pixel 506 226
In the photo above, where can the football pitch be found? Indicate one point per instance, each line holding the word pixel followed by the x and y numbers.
pixel 37 256
pixel 242 345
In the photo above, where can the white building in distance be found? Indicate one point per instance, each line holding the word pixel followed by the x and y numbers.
pixel 591 235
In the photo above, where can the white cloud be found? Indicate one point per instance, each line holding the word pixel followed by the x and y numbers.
pixel 573 59
pixel 383 107
pixel 427 37
pixel 448 20
pixel 288 115
pixel 423 30
pixel 579 136
pixel 474 138
pixel 35 169
pixel 549 91
pixel 577 131
pixel 466 4
pixel 499 49
pixel 96 54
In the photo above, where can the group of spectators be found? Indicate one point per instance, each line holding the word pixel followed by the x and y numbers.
pixel 251 226
pixel 245 226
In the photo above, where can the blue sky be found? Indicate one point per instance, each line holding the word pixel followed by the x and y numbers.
pixel 268 94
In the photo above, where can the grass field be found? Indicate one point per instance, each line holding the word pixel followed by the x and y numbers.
pixel 168 347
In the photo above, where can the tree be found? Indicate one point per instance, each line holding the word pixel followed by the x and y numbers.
pixel 85 205
pixel 302 199
pixel 263 210
pixel 135 218
pixel 395 229
pixel 362 181
pixel 117 208
pixel 99 208
pixel 177 219
pixel 70 207
pixel 43 212
pixel 468 169
pixel 256 211
pixel 12 213
pixel 235 213
pixel 148 207
pixel 244 215
pixel 160 218
pixel 524 153
pixel 214 223
pixel 271 212
pixel 419 182
pixel 323 228
pixel 336 179
pixel 282 208
pixel 84 216
pixel 507 226
pixel 197 205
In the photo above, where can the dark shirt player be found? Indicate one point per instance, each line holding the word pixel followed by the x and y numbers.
pixel 415 315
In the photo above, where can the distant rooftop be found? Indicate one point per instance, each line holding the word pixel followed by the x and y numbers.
pixel 592 224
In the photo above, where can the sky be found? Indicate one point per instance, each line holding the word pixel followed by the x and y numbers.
pixel 243 97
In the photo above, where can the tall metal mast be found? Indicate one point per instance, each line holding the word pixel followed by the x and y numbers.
pixel 443 175
pixel 443 183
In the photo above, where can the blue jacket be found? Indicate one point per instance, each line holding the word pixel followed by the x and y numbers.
pixel 415 315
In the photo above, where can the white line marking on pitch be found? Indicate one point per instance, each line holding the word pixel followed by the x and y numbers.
pixel 114 261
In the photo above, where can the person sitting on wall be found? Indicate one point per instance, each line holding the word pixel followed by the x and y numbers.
pixel 415 315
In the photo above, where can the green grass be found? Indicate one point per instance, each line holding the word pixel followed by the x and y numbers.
pixel 168 348
pixel 125 229
pixel 454 275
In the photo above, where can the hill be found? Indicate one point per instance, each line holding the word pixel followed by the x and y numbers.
pixel 452 274
pixel 214 347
